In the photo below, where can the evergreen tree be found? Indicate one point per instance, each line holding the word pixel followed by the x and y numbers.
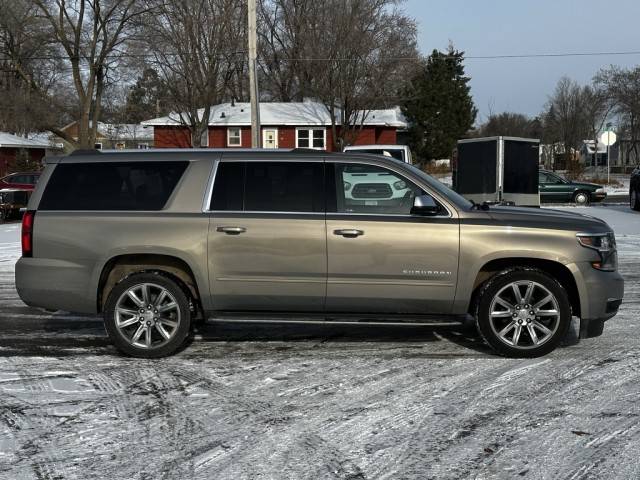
pixel 439 106
pixel 145 99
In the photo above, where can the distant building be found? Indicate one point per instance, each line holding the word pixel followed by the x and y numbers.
pixel 12 145
pixel 283 125
pixel 116 136
pixel 592 156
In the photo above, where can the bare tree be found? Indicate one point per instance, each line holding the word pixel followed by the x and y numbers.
pixel 623 88
pixel 30 71
pixel 564 118
pixel 596 108
pixel 91 34
pixel 510 124
pixel 198 51
pixel 351 55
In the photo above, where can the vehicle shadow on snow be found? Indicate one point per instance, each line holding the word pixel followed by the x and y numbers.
pixel 60 334
pixel 33 333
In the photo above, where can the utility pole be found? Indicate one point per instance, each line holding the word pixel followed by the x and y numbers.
pixel 253 79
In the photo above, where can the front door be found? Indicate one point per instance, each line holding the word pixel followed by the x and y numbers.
pixel 380 257
pixel 267 236
pixel 553 188
pixel 270 138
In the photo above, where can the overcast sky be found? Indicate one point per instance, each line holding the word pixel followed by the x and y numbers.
pixel 513 27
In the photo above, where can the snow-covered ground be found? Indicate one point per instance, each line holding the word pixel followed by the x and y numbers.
pixel 312 402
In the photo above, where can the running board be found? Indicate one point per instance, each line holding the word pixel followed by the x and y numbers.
pixel 364 320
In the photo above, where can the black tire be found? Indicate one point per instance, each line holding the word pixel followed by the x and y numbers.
pixel 183 318
pixel 579 195
pixel 634 200
pixel 499 283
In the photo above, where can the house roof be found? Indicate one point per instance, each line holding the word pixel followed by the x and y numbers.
pixel 281 113
pixel 14 141
pixel 602 148
pixel 126 131
pixel 119 131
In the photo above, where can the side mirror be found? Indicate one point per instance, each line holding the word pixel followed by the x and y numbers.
pixel 425 205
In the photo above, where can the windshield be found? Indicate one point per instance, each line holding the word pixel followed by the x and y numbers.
pixel 439 187
pixel 386 152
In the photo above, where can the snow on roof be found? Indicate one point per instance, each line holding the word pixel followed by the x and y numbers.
pixel 282 113
pixel 126 131
pixel 14 141
pixel 602 148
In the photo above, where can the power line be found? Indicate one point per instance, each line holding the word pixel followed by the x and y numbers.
pixel 327 59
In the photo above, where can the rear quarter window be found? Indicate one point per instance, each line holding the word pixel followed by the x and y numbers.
pixel 111 185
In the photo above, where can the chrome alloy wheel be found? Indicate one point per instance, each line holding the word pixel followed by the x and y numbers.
pixel 524 314
pixel 147 315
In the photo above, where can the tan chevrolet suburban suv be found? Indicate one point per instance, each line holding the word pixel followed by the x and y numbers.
pixel 154 240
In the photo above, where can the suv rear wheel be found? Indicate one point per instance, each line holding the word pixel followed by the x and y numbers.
pixel 523 313
pixel 147 315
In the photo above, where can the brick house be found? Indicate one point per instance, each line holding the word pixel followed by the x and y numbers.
pixel 11 145
pixel 283 125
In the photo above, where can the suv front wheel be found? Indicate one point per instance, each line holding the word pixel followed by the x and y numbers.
pixel 523 312
pixel 147 315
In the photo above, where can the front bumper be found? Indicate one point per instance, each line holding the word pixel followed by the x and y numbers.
pixel 598 197
pixel 601 295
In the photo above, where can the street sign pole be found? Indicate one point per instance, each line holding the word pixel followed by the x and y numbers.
pixel 608 138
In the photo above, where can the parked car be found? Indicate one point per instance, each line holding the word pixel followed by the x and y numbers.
pixel 554 188
pixel 154 240
pixel 21 180
pixel 399 152
pixel 12 201
pixel 634 190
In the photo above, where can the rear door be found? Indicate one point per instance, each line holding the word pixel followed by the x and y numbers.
pixel 267 236
pixel 380 257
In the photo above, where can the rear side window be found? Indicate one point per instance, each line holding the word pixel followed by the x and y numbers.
pixel 111 186
pixel 269 187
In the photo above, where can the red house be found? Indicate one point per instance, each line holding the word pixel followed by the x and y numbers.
pixel 11 145
pixel 284 125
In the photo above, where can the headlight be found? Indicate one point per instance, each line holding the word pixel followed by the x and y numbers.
pixel 600 190
pixel 400 185
pixel 605 245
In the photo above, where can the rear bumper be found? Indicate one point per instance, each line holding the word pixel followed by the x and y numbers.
pixel 55 285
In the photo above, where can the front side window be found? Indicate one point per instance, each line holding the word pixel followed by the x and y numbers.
pixel 111 185
pixel 369 189
pixel 269 187
pixel 311 138
pixel 234 137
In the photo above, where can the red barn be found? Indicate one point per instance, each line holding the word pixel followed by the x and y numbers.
pixel 283 124
pixel 11 145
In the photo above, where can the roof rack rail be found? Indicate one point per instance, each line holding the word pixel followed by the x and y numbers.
pixel 308 150
pixel 85 151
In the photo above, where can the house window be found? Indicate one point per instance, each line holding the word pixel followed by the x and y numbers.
pixel 234 137
pixel 311 138
pixel 143 146
pixel 97 146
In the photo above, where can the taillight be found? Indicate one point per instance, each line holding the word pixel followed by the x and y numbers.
pixel 27 233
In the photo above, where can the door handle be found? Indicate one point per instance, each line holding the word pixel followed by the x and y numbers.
pixel 348 232
pixel 231 230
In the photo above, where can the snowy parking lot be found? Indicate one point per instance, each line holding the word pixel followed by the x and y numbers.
pixel 316 402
